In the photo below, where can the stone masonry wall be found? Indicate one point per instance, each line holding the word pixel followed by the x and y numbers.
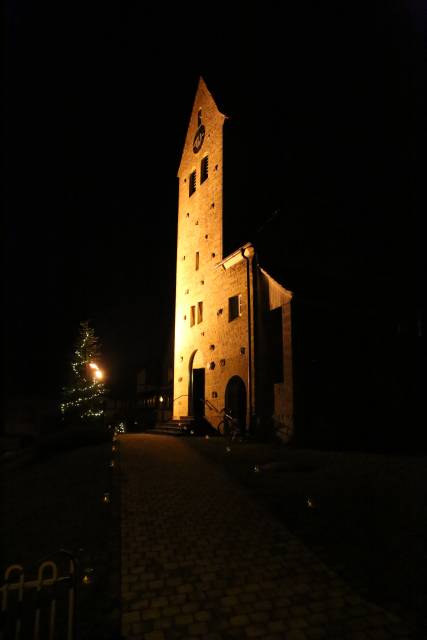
pixel 214 339
pixel 283 414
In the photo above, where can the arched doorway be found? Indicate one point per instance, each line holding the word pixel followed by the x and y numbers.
pixel 196 386
pixel 235 400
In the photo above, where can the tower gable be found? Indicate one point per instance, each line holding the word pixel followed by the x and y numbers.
pixel 200 201
pixel 205 124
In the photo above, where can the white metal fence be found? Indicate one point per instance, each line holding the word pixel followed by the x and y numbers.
pixel 39 605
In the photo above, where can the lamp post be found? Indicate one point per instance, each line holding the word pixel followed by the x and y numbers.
pixel 98 374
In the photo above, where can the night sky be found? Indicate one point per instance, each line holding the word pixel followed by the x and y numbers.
pixel 326 105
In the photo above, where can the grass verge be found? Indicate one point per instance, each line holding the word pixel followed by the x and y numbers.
pixel 363 514
pixel 56 502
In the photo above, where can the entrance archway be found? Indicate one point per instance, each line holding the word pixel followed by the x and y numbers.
pixel 196 387
pixel 235 400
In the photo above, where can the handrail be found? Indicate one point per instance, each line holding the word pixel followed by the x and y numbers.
pixel 183 395
pixel 226 415
pixel 212 406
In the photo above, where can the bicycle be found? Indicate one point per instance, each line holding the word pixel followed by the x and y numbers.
pixel 229 427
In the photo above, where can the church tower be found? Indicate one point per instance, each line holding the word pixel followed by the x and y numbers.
pixel 233 350
pixel 199 247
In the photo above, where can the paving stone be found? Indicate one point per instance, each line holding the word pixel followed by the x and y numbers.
pixel 159 602
pixel 162 623
pixel 197 629
pixel 263 605
pixel 259 616
pixel 317 619
pixel 277 626
pixel 184 619
pixel 202 559
pixel 150 614
pixel 296 634
pixel 298 623
pixel 131 616
pixel 316 633
pixel 239 621
pixel 247 597
pixel 242 609
pixel 154 635
pixel 254 631
pixel 379 634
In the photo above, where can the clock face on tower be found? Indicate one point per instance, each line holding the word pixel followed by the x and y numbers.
pixel 198 139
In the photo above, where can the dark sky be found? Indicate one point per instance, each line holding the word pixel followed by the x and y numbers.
pixel 327 104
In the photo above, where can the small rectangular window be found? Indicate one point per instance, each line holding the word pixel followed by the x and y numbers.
pixel 204 168
pixel 192 183
pixel 234 307
pixel 192 315
pixel 197 260
pixel 199 312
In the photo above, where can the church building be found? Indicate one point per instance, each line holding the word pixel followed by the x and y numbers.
pixel 233 342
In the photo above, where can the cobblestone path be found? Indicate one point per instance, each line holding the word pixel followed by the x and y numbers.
pixel 201 559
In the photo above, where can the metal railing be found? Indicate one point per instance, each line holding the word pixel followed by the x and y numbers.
pixel 211 406
pixel 41 606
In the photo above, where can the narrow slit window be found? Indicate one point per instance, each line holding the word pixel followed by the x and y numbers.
pixel 199 312
pixel 192 183
pixel 192 315
pixel 204 169
pixel 197 260
pixel 234 307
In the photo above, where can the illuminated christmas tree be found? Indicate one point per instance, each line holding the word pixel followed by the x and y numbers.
pixel 83 398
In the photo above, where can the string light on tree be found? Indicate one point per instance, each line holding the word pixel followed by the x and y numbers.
pixel 84 396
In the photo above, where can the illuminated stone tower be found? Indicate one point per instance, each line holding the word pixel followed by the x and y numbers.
pixel 230 353
pixel 199 247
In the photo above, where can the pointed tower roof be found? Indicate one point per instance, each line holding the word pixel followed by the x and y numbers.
pixel 205 105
